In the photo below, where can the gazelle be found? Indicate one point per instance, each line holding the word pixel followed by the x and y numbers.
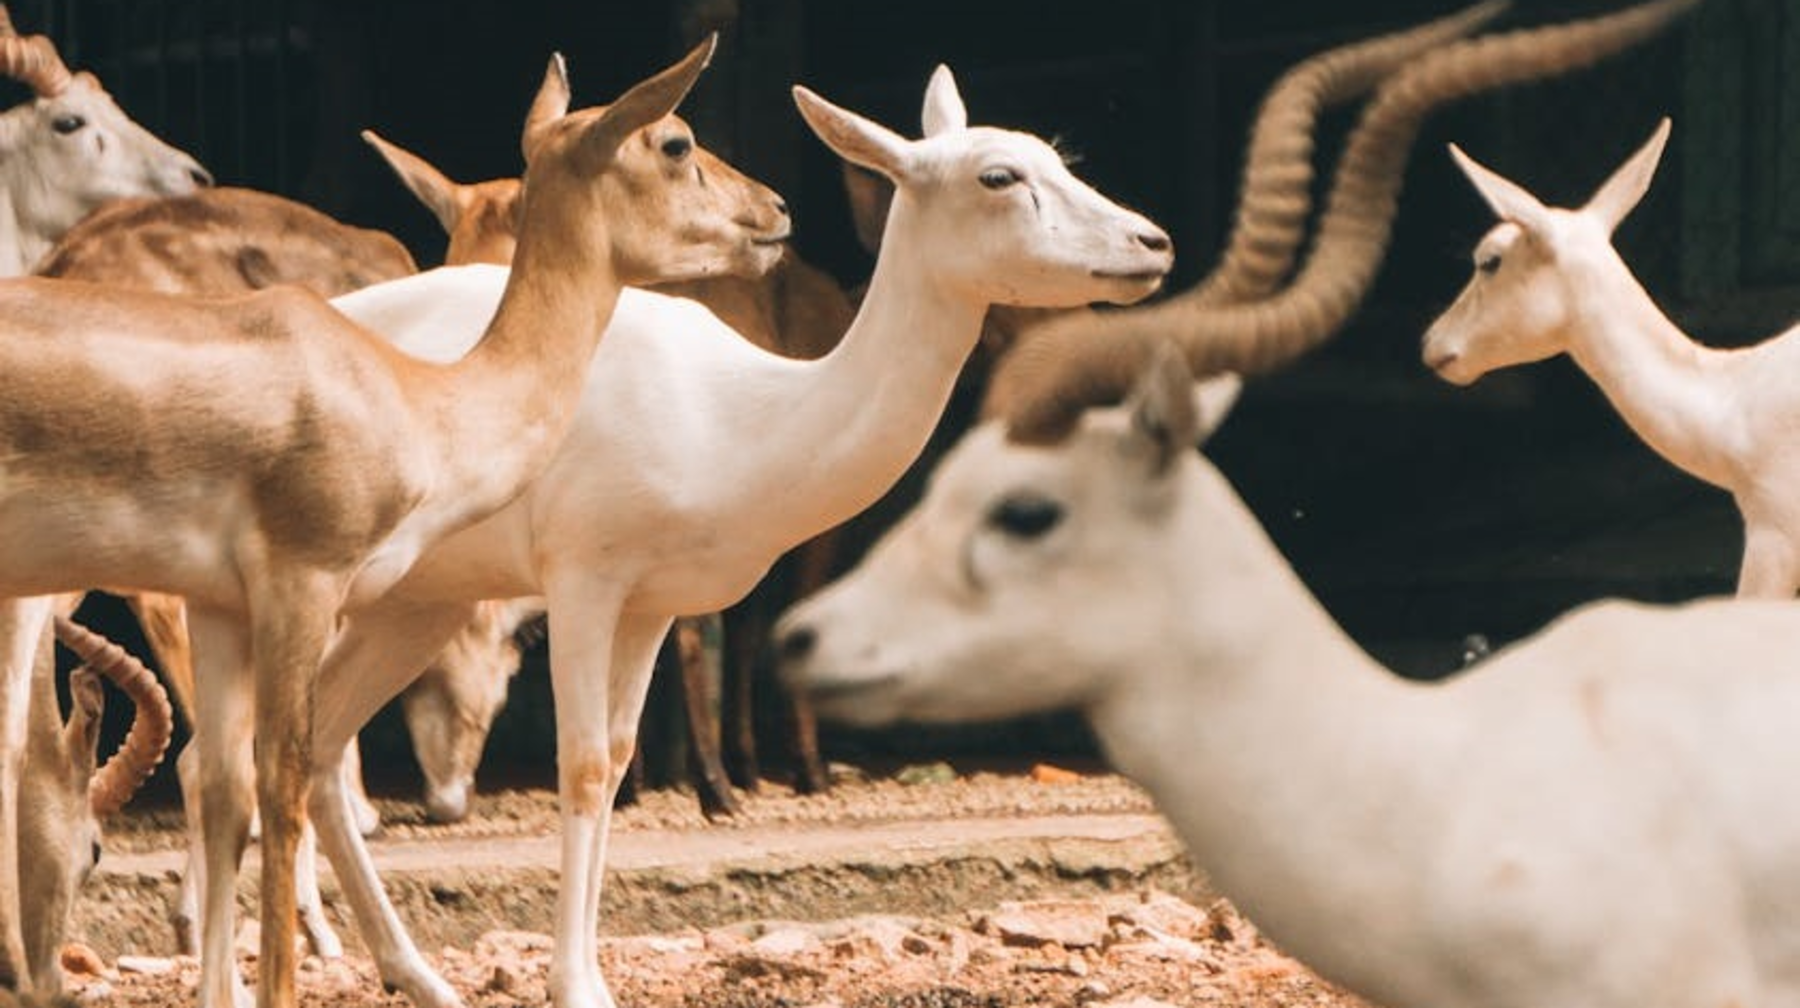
pixel 63 796
pixel 297 464
pixel 219 242
pixel 793 310
pixel 796 312
pixel 1106 351
pixel 1548 281
pixel 1485 841
pixel 660 503
pixel 68 150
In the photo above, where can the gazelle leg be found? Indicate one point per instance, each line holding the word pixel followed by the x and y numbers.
pixel 225 795
pixel 377 651
pixel 1771 567
pixel 600 671
pixel 291 622
pixel 22 624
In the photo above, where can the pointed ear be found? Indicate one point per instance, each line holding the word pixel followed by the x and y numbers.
pixel 855 139
pixel 648 101
pixel 1166 419
pixel 944 111
pixel 549 104
pixel 440 195
pixel 1510 202
pixel 1619 194
pixel 81 736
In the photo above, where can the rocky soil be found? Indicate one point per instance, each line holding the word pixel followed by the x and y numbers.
pixel 924 889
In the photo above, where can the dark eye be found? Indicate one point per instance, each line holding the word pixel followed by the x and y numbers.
pixel 1025 516
pixel 66 124
pixel 1489 264
pixel 999 178
pixel 95 853
pixel 676 148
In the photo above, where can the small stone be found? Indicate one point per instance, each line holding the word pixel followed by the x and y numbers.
pixel 785 942
pixel 145 965
pixel 501 981
pixel 1044 773
pixel 1070 924
pixel 80 960
pixel 926 773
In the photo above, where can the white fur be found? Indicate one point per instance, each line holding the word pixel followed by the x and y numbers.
pixel 50 180
pixel 696 459
pixel 1589 818
pixel 1725 416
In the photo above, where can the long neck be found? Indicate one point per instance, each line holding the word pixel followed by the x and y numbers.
pixel 507 404
pixel 1670 390
pixel 1281 752
pixel 864 412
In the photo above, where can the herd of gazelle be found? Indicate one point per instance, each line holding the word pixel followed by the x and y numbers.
pixel 363 477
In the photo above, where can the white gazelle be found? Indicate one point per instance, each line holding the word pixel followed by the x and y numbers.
pixel 1548 281
pixel 1589 818
pixel 697 459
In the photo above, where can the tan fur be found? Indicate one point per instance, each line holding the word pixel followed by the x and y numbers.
pixel 259 454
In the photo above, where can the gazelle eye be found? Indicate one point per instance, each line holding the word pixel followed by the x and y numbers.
pixel 66 124
pixel 1025 516
pixel 1489 264
pixel 999 178
pixel 676 148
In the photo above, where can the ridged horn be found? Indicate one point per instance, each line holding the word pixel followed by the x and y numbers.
pixel 31 60
pixel 1275 197
pixel 1092 359
pixel 151 725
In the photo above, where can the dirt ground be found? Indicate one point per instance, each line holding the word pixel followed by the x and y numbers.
pixel 925 889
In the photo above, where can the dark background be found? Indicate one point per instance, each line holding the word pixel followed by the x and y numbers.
pixel 1420 513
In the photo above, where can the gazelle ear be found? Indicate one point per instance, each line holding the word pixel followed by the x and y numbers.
pixel 440 195
pixel 81 736
pixel 855 139
pixel 649 100
pixel 1619 194
pixel 944 111
pixel 1510 202
pixel 547 106
pixel 1171 414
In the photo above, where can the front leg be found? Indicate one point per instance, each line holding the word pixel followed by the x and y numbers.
pixel 378 651
pixel 224 797
pixel 600 666
pixel 1771 567
pixel 291 621
pixel 22 626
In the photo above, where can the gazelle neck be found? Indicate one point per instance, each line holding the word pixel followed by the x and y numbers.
pixel 19 248
pixel 509 401
pixel 868 407
pixel 1669 389
pixel 1275 742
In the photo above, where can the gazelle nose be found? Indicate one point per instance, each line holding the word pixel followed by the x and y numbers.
pixel 201 176
pixel 1155 241
pixel 781 206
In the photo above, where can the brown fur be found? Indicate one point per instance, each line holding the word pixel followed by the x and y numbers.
pixel 324 436
pixel 218 241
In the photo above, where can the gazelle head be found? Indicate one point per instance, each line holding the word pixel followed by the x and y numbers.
pixel 452 706
pixel 64 792
pixel 71 148
pixel 671 210
pixel 1002 216
pixel 1025 574
pixel 481 218
pixel 1533 270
